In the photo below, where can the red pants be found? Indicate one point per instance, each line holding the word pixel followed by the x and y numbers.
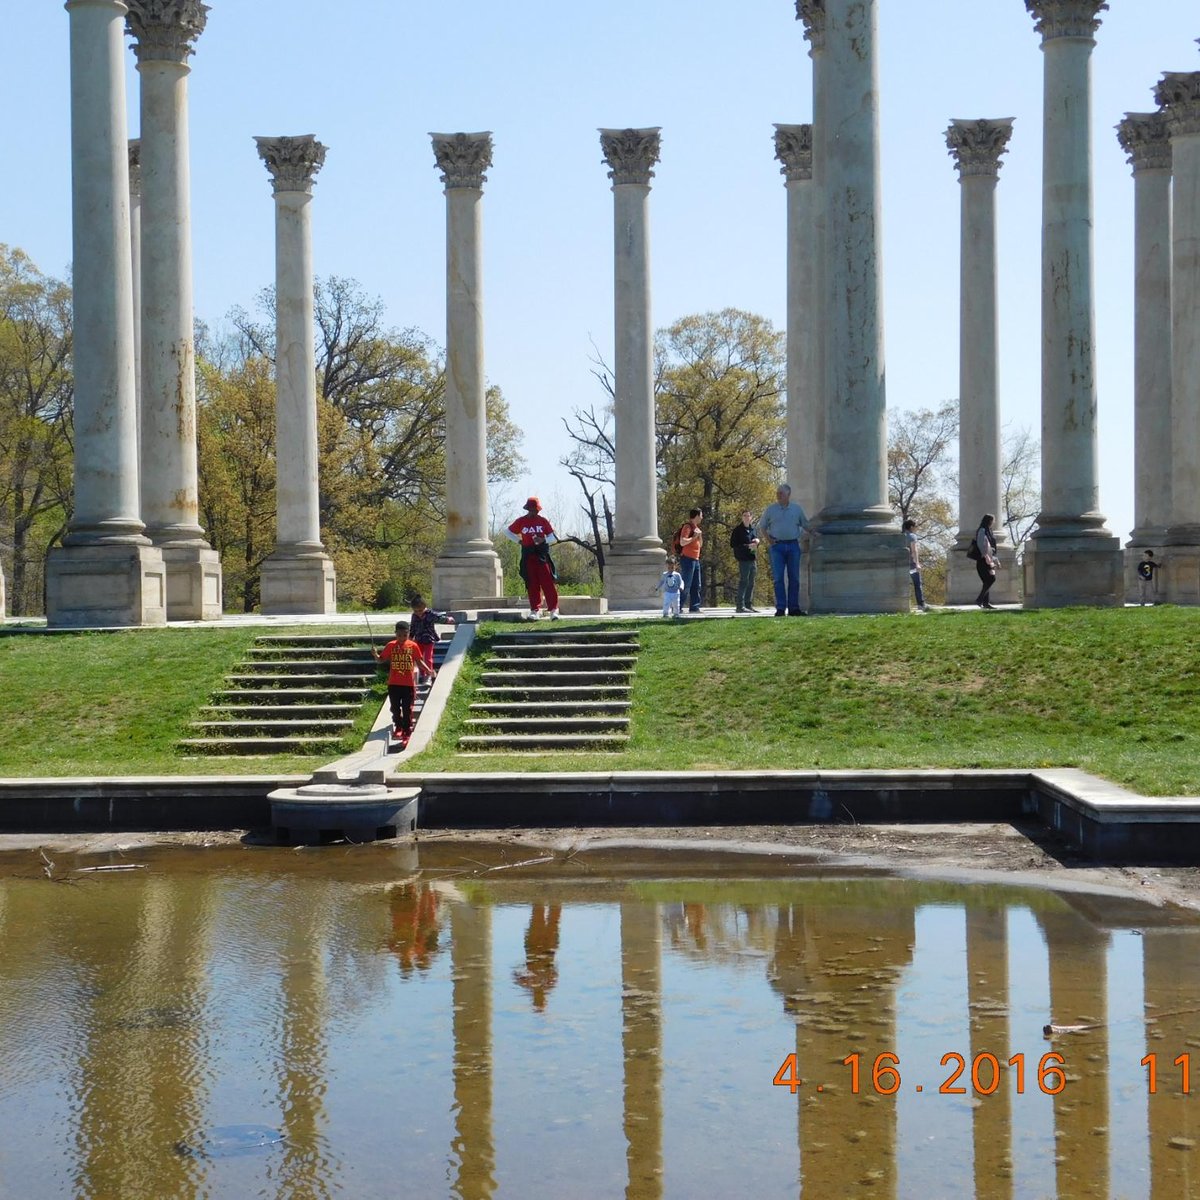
pixel 540 580
pixel 426 649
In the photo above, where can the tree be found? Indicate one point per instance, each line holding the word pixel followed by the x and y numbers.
pixel 36 398
pixel 1020 486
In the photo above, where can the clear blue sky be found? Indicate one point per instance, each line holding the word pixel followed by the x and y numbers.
pixel 372 78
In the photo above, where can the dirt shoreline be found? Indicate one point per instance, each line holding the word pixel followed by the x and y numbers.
pixel 966 851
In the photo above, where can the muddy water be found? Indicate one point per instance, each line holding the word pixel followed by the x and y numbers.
pixel 445 1023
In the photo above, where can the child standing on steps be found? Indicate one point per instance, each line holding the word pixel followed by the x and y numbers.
pixel 405 663
pixel 671 585
pixel 424 628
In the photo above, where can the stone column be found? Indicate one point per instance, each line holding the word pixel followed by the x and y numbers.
pixel 1179 95
pixel 135 242
pixel 636 559
pixel 813 334
pixel 1145 139
pixel 805 397
pixel 642 1047
pixel 106 572
pixel 976 147
pixel 164 33
pixel 467 570
pixel 1071 558
pixel 298 577
pixel 859 563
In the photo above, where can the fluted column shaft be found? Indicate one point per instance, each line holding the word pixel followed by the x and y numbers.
pixel 468 566
pixel 976 147
pixel 1061 567
pixel 1145 138
pixel 636 559
pixel 135 239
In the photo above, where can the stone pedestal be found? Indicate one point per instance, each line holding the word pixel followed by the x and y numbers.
pixel 106 572
pixel 298 577
pixel 468 564
pixel 976 147
pixel 1179 95
pixel 859 560
pixel 164 37
pixel 637 557
pixel 104 585
pixel 1146 141
pixel 1072 558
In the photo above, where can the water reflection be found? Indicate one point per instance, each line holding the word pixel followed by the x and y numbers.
pixel 583 1030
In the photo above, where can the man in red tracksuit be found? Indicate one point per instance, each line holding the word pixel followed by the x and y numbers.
pixel 535 534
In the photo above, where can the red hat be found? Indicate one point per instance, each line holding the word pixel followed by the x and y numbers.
pixel 534 503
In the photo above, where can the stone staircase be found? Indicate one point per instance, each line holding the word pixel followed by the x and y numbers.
pixel 293 694
pixel 553 691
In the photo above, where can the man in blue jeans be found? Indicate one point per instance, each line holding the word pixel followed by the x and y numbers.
pixel 781 525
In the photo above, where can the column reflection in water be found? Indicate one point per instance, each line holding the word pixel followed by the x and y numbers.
pixel 1079 996
pixel 838 966
pixel 641 1040
pixel 1171 969
pixel 474 1151
pixel 987 994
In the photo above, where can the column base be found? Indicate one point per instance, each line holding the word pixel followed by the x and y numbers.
pixel 1182 571
pixel 631 575
pixel 1066 571
pixel 962 577
pixel 858 572
pixel 299 586
pixel 457 578
pixel 93 587
pixel 194 589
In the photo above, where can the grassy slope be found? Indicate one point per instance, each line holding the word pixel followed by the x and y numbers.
pixel 1115 692
pixel 117 703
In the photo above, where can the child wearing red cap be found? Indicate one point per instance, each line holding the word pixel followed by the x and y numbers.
pixel 534 534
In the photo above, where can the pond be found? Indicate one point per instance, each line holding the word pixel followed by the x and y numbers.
pixel 456 1021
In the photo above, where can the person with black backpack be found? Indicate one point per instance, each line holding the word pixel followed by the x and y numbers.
pixel 983 551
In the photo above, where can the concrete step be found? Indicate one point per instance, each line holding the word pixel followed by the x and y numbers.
pixel 622 663
pixel 510 743
pixel 284 712
pixel 590 679
pixel 261 745
pixel 553 708
pixel 541 691
pixel 283 697
pixel 382 634
pixel 260 680
pixel 268 725
pixel 547 724
pixel 567 649
pixel 565 635
pixel 312 653
pixel 330 666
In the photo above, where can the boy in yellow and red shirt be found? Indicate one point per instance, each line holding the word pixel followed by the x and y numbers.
pixel 405 663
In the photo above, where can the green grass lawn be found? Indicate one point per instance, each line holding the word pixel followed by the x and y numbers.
pixel 118 703
pixel 1116 692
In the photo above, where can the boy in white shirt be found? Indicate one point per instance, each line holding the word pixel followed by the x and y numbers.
pixel 671 585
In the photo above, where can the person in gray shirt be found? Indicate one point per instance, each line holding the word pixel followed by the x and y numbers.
pixel 781 524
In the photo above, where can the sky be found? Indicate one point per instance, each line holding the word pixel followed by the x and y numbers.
pixel 371 79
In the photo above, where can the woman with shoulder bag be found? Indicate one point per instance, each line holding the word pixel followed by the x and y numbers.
pixel 983 551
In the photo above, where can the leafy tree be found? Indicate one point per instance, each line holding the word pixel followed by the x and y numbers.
pixel 36 397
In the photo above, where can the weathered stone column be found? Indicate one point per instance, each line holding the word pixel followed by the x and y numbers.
pixel 1146 141
pixel 805 395
pixel 298 577
pixel 106 572
pixel 637 556
pixel 165 32
pixel 976 147
pixel 468 568
pixel 858 559
pixel 813 332
pixel 1071 558
pixel 135 242
pixel 1179 95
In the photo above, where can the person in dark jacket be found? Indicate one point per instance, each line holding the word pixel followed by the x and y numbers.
pixel 986 562
pixel 744 541
pixel 423 628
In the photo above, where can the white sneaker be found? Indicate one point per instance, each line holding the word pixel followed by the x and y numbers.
pixel 554 614
pixel 530 615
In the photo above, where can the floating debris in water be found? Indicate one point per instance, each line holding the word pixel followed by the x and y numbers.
pixel 230 1141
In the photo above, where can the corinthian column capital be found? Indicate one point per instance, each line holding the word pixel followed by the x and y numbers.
pixel 463 158
pixel 976 146
pixel 293 162
pixel 812 13
pixel 1178 94
pixel 165 30
pixel 1146 141
pixel 794 149
pixel 631 154
pixel 1066 18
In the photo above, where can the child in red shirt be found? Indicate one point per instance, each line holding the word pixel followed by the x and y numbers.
pixel 534 534
pixel 404 660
